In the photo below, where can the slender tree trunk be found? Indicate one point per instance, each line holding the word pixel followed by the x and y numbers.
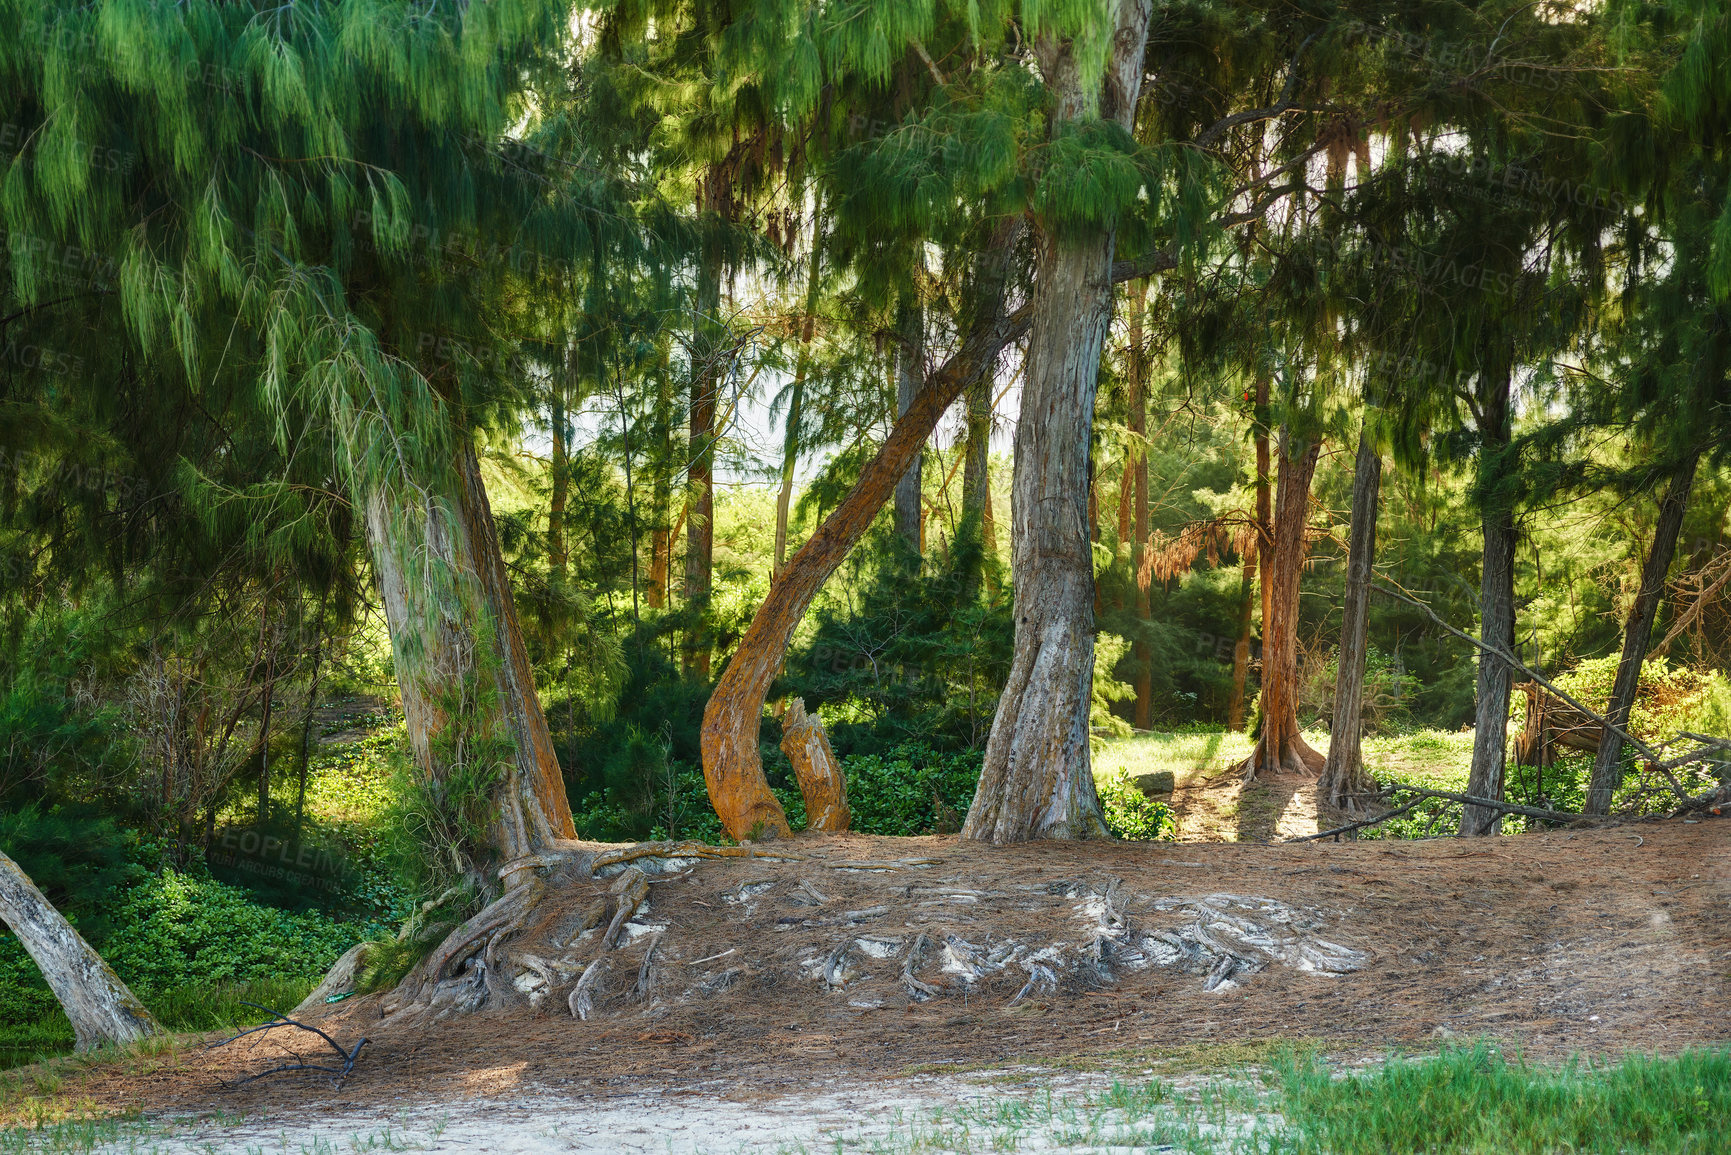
pixel 976 468
pixel 732 766
pixel 1281 748
pixel 458 650
pixel 910 376
pixel 796 396
pixel 1608 764
pixel 700 479
pixel 1139 650
pixel 557 556
pixel 1496 609
pixel 100 1006
pixel 1241 649
pixel 1037 781
pixel 269 701
pixel 311 711
pixel 661 498
pixel 1343 776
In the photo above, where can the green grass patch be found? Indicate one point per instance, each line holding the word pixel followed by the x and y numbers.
pixel 1468 1101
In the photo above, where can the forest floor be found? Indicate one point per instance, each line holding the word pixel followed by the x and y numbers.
pixel 781 985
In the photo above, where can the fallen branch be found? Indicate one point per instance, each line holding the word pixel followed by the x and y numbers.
pixel 1424 794
pixel 1514 662
pixel 281 1020
pixel 1359 825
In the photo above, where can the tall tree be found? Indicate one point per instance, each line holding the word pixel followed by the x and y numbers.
pixel 1037 781
pixel 1344 781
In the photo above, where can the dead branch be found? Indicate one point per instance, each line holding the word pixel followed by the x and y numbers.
pixel 278 1019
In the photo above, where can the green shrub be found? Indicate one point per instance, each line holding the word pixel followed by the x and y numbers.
pixel 1131 814
pixel 911 789
pixel 176 930
pixel 76 857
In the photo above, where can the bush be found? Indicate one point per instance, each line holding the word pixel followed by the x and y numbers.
pixel 1131 814
pixel 911 789
pixel 176 930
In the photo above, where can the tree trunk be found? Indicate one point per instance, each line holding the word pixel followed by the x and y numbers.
pixel 1241 649
pixel 468 691
pixel 661 534
pixel 732 766
pixel 796 396
pixel 976 467
pixel 557 556
pixel 1139 650
pixel 265 711
pixel 1037 781
pixel 100 1006
pixel 1607 765
pixel 910 375
pixel 700 477
pixel 311 711
pixel 1496 610
pixel 821 782
pixel 1343 778
pixel 1281 749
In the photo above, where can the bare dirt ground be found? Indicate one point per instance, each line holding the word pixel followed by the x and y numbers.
pixel 775 978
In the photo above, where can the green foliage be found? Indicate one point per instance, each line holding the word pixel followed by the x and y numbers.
pixel 176 930
pixel 76 856
pixel 1131 814
pixel 1472 1100
pixel 910 789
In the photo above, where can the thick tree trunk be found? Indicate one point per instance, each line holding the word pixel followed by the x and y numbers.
pixel 458 650
pixel 821 782
pixel 1037 781
pixel 1343 778
pixel 700 477
pixel 732 766
pixel 1496 610
pixel 1139 651
pixel 1281 748
pixel 910 376
pixel 1608 764
pixel 100 1006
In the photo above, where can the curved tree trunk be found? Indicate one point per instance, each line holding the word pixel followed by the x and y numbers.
pixel 732 765
pixel 821 782
pixel 100 1006
pixel 1037 781
pixel 1343 777
pixel 1281 748
pixel 454 635
pixel 1607 765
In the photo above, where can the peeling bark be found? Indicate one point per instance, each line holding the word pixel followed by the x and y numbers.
pixel 1037 781
pixel 447 601
pixel 1281 748
pixel 821 782
pixel 100 1006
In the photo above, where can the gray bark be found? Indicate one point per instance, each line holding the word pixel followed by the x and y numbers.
pixel 910 378
pixel 1343 776
pixel 100 1006
pixel 1608 764
pixel 1037 781
pixel 1496 611
pixel 454 636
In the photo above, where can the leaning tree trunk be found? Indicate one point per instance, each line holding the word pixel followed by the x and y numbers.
pixel 468 689
pixel 1037 781
pixel 101 1008
pixel 1496 611
pixel 732 766
pixel 1607 765
pixel 910 374
pixel 1281 748
pixel 1344 782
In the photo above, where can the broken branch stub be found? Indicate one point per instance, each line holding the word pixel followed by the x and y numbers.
pixel 806 745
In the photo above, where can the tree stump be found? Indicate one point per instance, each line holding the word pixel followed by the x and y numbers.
pixel 806 745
